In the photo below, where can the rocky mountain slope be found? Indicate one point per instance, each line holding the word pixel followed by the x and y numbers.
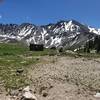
pixel 64 33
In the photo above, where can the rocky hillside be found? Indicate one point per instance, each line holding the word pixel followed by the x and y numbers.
pixel 64 33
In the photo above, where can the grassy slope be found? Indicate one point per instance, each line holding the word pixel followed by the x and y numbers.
pixel 12 58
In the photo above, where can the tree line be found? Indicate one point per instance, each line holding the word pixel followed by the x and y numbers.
pixel 93 44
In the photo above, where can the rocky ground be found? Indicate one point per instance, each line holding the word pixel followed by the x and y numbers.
pixel 64 78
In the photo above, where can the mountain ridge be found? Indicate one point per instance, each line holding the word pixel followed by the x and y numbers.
pixel 66 34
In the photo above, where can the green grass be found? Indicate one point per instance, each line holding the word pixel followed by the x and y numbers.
pixel 12 58
pixel 16 56
pixel 12 49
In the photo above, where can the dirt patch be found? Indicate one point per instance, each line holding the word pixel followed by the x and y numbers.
pixel 66 78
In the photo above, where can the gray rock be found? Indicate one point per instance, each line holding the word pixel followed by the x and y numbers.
pixel 97 95
pixel 27 95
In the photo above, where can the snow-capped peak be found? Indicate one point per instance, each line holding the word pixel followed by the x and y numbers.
pixel 63 33
pixel 94 30
pixel 71 26
pixel 99 31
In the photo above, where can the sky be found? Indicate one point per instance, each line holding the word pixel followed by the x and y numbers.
pixel 41 12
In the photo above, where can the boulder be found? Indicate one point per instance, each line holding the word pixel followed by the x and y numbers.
pixel 27 95
pixel 97 95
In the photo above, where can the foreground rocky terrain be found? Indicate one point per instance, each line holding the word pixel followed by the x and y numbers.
pixel 64 78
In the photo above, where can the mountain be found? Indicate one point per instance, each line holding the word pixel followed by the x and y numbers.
pixel 69 34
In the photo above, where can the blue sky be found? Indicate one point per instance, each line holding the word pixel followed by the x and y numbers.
pixel 50 11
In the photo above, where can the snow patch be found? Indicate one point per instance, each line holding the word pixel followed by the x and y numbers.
pixel 93 30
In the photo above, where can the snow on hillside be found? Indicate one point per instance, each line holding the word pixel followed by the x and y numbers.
pixel 63 33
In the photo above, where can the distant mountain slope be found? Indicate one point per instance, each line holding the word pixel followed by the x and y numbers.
pixel 64 33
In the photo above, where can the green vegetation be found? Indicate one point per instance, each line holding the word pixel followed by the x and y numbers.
pixel 14 57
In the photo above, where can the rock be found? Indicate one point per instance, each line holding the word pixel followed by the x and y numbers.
pixel 27 95
pixel 27 89
pixel 69 52
pixel 14 93
pixel 97 95
pixel 45 94
pixel 93 51
pixel 19 71
pixel 37 59
pixel 8 98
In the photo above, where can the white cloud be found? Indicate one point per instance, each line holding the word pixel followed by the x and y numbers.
pixel 0 16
